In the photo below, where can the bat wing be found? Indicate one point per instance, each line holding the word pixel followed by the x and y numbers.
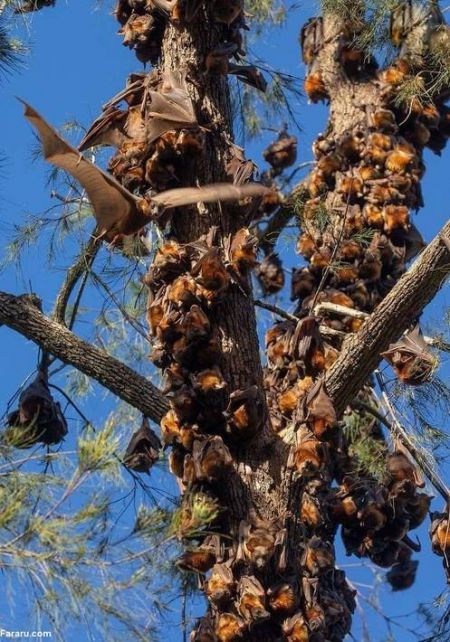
pixel 115 208
pixel 170 108
pixel 208 194
pixel 107 129
pixel 250 75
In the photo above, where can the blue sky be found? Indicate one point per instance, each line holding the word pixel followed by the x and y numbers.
pixel 76 62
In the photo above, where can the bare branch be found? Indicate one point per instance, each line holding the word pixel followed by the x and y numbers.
pixel 22 313
pixel 404 303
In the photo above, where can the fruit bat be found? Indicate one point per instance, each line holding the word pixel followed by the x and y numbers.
pixel 306 344
pixel 270 274
pixel 212 458
pixel 283 597
pixel 202 558
pixel 110 129
pixel 38 418
pixel 210 271
pixel 311 39
pixel 250 75
pixel 402 575
pixel 143 450
pixel 204 630
pixel 245 412
pixel 33 5
pixel 241 249
pixel 226 11
pixel 258 540
pixel 251 603
pixel 400 467
pixel 318 556
pixel 220 586
pixel 238 168
pixel 282 153
pixel 295 629
pixel 411 359
pixel 208 381
pixel 229 627
pixel 118 211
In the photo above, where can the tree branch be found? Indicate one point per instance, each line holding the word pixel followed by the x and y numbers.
pixel 22 313
pixel 404 303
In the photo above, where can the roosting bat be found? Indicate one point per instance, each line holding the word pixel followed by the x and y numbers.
pixel 252 599
pixel 143 449
pixel 118 211
pixel 39 418
pixel 410 358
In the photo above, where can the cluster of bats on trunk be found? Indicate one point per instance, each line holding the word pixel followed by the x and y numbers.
pixel 143 23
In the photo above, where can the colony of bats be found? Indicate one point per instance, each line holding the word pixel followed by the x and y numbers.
pixel 357 238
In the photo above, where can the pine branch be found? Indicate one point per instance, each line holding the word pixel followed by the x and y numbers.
pixel 404 303
pixel 22 313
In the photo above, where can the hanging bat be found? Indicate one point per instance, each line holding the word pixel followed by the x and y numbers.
pixel 251 602
pixel 249 74
pixel 318 556
pixel 400 467
pixel 306 344
pixel 208 382
pixel 282 153
pixel 229 627
pixel 238 168
pixel 411 359
pixel 283 597
pixel 217 60
pixel 196 325
pixel 210 271
pixel 38 418
pixel 418 508
pixel 295 628
pixel 258 540
pixel 241 250
pixel 143 450
pixel 245 412
pixel 270 274
pixel 221 584
pixel 33 5
pixel 311 39
pixel 118 211
pixel 226 11
pixel 402 575
pixel 212 458
pixel 204 630
pixel 201 559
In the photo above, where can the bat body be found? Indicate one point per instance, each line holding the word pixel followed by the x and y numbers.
pixel 143 450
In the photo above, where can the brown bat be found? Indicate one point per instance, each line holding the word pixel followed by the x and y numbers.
pixel 283 597
pixel 245 412
pixel 210 271
pixel 295 629
pixel 229 627
pixel 249 74
pixel 258 541
pixel 412 361
pixel 440 533
pixel 204 630
pixel 241 250
pixel 238 168
pixel 252 597
pixel 38 419
pixel 221 584
pixel 212 458
pixel 118 211
pixel 318 556
pixel 282 153
pixel 217 60
pixel 226 11
pixel 270 274
pixel 33 5
pixel 311 39
pixel 143 450
pixel 321 412
pixel 114 127
pixel 402 575
pixel 208 382
pixel 198 560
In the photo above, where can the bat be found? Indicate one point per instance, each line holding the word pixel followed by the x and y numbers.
pixel 229 627
pixel 212 458
pixel 245 412
pixel 238 168
pixel 221 585
pixel 282 153
pixel 411 359
pixel 226 11
pixel 258 540
pixel 198 560
pixel 241 250
pixel 204 630
pixel 270 274
pixel 143 450
pixel 302 284
pixel 251 602
pixel 315 87
pixel 196 325
pixel 208 381
pixel 217 60
pixel 308 456
pixel 418 508
pixel 250 75
pixel 114 127
pixel 210 271
pixel 119 212
pixel 296 629
pixel 311 39
pixel 282 598
pixel 38 418
pixel 318 556
pixel 402 575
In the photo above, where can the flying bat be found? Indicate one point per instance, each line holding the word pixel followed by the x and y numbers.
pixel 119 212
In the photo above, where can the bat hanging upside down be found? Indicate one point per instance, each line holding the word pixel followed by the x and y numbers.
pixel 119 212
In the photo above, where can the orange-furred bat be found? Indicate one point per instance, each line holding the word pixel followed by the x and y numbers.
pixel 270 274
pixel 440 534
pixel 282 153
pixel 201 559
pixel 208 381
pixel 107 129
pixel 242 249
pixel 210 271
pixel 318 556
pixel 221 584
pixel 118 211
pixel 245 412
pixel 204 630
pixel 196 325
pixel 230 627
pixel 295 629
pixel 283 597
pixel 258 541
pixel 252 597
pixel 311 39
pixel 411 359
pixel 143 450
pixel 38 418
pixel 212 459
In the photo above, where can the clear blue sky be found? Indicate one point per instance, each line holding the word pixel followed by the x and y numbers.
pixel 76 62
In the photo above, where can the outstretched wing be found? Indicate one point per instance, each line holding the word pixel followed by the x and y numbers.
pixel 208 194
pixel 115 208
